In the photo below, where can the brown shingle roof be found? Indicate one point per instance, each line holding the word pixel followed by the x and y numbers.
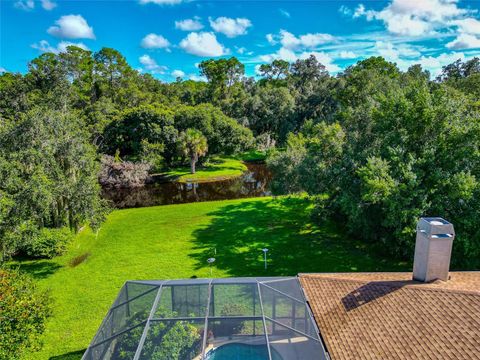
pixel 388 316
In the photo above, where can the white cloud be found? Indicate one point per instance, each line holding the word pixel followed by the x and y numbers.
pixel 154 41
pixel 345 10
pixel 243 51
pixel 161 2
pixel 230 27
pixel 271 39
pixel 435 64
pixel 197 78
pixel 240 50
pixel 405 55
pixel 359 11
pixel 189 24
pixel 44 46
pixel 468 25
pixel 414 18
pixel 151 65
pixel 464 41
pixel 72 27
pixel 24 4
pixel 312 40
pixel 291 42
pixel 284 13
pixel 30 4
pixel 393 53
pixel 62 46
pixel 299 47
pixel 2 69
pixel 291 56
pixel 48 4
pixel 347 55
pixel 178 74
pixel 202 44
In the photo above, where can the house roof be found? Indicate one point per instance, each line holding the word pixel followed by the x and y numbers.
pixel 389 316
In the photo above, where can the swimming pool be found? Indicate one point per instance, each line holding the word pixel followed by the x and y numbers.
pixel 237 351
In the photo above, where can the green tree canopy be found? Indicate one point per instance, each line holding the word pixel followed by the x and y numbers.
pixel 221 74
pixel 153 124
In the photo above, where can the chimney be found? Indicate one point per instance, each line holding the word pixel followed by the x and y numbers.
pixel 433 249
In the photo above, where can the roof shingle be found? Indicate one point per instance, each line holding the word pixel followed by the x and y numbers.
pixel 388 316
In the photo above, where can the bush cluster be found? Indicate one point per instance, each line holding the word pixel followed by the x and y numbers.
pixel 23 312
pixel 49 243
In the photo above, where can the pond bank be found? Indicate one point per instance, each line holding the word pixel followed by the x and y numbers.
pixel 253 182
pixel 216 169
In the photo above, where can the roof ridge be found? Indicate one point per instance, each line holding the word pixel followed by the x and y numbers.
pixel 417 285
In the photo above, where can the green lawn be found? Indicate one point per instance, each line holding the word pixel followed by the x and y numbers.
pixel 216 168
pixel 253 156
pixel 174 242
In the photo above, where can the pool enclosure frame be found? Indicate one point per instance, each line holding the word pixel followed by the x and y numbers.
pixel 266 313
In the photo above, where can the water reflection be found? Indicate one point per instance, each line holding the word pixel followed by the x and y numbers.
pixel 254 182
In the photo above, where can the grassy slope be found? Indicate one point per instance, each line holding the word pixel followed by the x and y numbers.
pixel 174 242
pixel 217 168
pixel 253 156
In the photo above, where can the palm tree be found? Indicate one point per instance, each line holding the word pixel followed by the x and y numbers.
pixel 193 144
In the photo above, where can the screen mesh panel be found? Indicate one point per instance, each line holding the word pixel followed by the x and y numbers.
pixel 214 319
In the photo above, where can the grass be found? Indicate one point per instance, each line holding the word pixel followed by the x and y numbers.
pixel 175 241
pixel 215 169
pixel 253 156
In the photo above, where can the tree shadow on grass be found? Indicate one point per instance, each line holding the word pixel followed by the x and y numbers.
pixel 38 269
pixel 238 232
pixel 73 355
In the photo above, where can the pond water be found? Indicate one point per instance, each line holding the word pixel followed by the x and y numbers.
pixel 254 182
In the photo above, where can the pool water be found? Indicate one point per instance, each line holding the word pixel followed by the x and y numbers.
pixel 236 351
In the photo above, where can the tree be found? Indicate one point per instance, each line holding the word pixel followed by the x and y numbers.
pixel 403 147
pixel 78 67
pixel 193 144
pixel 464 76
pixel 314 91
pixel 23 312
pixel 224 134
pixel 271 110
pixel 136 127
pixel 14 90
pixel 48 178
pixel 307 70
pixel 114 78
pixel 221 75
pixel 276 70
pixel 48 82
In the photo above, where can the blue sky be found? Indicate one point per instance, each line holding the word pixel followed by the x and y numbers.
pixel 168 38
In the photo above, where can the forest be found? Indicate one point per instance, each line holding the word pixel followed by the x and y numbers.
pixel 374 147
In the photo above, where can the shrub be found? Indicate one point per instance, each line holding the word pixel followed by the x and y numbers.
pixel 23 311
pixel 49 243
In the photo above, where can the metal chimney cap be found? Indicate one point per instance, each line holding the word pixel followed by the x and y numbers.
pixel 435 227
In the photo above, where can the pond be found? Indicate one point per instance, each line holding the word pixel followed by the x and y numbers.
pixel 254 182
